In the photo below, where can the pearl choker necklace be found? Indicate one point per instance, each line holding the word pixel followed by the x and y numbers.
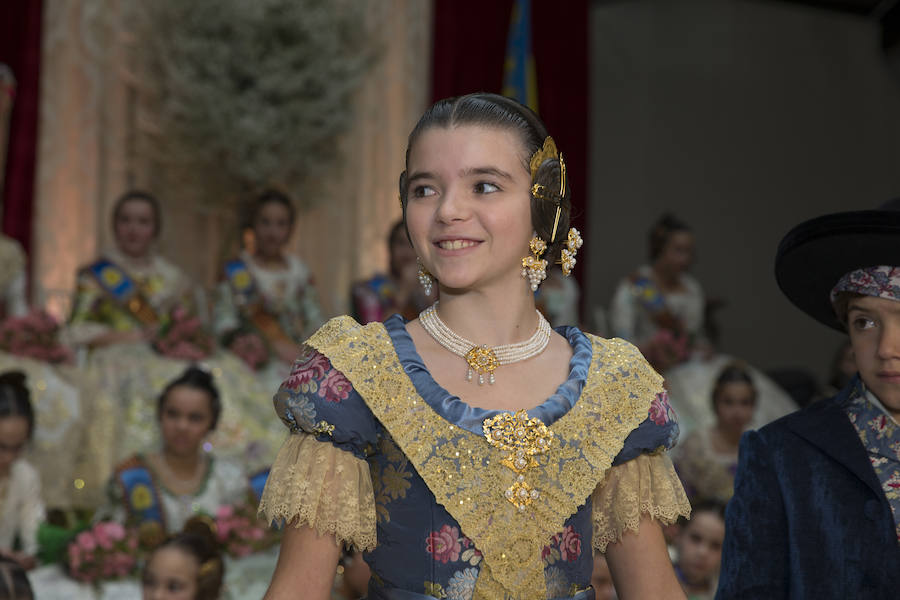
pixel 482 359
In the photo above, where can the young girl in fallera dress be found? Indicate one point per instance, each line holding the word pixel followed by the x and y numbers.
pixel 458 489
pixel 21 504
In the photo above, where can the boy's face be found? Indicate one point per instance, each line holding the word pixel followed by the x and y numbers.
pixel 874 327
pixel 700 547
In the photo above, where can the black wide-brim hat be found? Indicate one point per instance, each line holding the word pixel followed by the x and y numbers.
pixel 815 254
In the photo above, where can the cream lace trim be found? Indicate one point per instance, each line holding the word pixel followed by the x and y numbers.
pixel 465 472
pixel 319 485
pixel 645 485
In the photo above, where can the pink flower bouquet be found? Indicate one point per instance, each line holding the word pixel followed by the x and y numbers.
pixel 666 349
pixel 36 335
pixel 240 532
pixel 250 348
pixel 183 337
pixel 105 551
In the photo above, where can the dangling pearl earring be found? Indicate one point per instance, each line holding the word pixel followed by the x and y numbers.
pixel 425 277
pixel 534 268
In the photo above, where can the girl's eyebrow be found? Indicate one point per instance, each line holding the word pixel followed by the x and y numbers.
pixel 485 171
pixel 421 175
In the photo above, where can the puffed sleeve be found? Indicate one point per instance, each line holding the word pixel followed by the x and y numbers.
pixel 320 477
pixel 642 480
pixel 755 554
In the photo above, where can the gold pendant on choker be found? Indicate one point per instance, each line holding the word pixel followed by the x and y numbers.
pixel 482 360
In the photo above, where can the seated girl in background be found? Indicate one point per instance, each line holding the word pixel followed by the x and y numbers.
pixel 167 487
pixel 21 506
pixel 706 460
pixel 699 545
pixel 187 566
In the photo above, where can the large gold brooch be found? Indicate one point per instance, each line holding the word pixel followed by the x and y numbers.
pixel 523 438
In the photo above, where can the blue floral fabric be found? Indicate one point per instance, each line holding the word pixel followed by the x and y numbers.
pixel 880 435
pixel 421 548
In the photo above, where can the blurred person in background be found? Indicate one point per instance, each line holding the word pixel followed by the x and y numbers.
pixel 267 304
pixel 706 459
pixel 699 547
pixel 398 291
pixel 661 309
pixel 21 504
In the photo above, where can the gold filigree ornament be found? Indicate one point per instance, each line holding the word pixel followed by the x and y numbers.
pixel 482 360
pixel 534 268
pixel 567 255
pixel 523 438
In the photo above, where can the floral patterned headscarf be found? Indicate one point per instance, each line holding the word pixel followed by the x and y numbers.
pixel 881 282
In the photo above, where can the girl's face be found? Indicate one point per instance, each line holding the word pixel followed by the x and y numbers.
pixel 13 437
pixel 677 254
pixel 734 405
pixel 469 206
pixel 185 419
pixel 699 546
pixel 135 228
pixel 272 228
pixel 171 574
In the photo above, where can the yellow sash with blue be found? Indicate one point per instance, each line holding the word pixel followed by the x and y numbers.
pixel 247 298
pixel 121 289
pixel 140 495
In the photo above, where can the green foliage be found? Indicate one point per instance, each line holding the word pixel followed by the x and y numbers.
pixel 254 93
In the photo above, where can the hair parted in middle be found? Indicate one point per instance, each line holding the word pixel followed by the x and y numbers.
pixel 500 112
pixel 733 372
pixel 198 379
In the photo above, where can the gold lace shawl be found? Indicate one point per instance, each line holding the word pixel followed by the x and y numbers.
pixel 465 472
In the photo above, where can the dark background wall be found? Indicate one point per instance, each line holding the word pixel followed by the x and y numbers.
pixel 743 118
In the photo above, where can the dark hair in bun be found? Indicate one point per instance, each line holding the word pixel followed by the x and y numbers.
pixel 198 379
pixel 15 399
pixel 197 540
pixel 662 231
pixel 14 584
pixel 492 110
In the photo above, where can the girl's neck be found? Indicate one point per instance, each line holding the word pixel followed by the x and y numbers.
pixel 665 278
pixel 140 261
pixel 489 318
pixel 270 260
pixel 182 466
pixel 728 440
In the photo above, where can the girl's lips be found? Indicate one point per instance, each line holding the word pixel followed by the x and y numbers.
pixel 455 245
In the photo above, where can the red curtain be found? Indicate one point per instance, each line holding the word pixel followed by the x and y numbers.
pixel 469 52
pixel 20 48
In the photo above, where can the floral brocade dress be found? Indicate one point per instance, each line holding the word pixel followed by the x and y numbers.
pixel 452 501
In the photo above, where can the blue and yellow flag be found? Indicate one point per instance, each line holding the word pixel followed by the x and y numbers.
pixel 519 74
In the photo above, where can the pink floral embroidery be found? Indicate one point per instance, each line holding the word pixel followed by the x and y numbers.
pixel 660 410
pixel 444 545
pixel 310 366
pixel 546 551
pixel 335 387
pixel 569 544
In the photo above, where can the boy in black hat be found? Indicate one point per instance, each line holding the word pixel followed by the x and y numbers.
pixel 816 504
